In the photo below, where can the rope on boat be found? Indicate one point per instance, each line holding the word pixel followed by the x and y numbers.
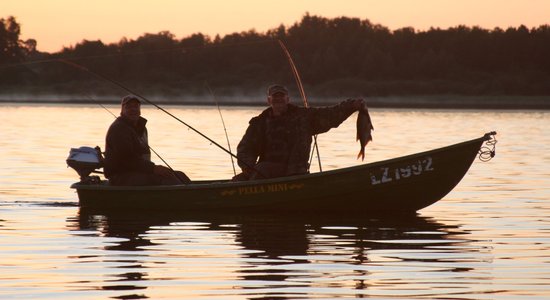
pixel 488 149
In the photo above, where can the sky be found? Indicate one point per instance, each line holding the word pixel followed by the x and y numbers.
pixel 55 24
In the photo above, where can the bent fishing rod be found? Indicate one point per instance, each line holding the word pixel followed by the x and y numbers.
pixel 73 64
pixel 303 95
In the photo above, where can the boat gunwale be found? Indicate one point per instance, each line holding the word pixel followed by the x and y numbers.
pixel 224 183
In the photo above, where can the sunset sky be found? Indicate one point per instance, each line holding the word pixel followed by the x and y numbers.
pixel 58 23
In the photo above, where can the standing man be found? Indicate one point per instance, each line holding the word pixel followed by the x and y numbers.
pixel 278 141
pixel 127 153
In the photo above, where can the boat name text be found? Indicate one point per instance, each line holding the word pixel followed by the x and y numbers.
pixel 260 189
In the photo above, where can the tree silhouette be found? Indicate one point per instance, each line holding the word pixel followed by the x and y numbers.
pixel 335 57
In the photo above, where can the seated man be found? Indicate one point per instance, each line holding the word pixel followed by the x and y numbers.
pixel 278 141
pixel 127 153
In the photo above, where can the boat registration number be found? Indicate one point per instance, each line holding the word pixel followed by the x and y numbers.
pixel 388 174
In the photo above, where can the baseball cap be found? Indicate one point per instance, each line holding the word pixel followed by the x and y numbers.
pixel 276 88
pixel 129 98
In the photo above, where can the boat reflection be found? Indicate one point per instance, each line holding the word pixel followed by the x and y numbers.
pixel 269 247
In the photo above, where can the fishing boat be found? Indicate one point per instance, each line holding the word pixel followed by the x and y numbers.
pixel 400 185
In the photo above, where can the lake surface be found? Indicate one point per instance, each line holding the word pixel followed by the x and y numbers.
pixel 488 239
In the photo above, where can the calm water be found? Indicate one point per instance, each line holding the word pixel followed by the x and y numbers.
pixel 488 239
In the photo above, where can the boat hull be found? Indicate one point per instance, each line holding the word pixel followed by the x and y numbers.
pixel 405 184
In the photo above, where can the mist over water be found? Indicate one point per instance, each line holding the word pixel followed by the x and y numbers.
pixel 487 239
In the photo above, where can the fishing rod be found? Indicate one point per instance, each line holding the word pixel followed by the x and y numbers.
pixel 303 95
pixel 223 123
pixel 73 64
pixel 150 148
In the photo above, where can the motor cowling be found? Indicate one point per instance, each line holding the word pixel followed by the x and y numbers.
pixel 85 160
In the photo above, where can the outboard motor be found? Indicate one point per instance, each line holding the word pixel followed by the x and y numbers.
pixel 84 161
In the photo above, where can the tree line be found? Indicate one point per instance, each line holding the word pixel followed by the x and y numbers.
pixel 339 56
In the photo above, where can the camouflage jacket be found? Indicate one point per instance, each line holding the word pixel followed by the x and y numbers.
pixel 287 139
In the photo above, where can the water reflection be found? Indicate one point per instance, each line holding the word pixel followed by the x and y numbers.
pixel 253 254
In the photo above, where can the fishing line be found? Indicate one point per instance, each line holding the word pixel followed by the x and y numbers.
pixel 130 53
pixel 70 63
pixel 223 123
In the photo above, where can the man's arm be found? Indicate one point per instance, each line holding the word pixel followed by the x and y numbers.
pixel 325 118
pixel 249 148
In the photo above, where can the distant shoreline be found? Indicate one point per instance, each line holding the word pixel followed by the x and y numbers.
pixel 428 102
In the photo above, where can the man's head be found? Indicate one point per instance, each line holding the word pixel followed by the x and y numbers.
pixel 277 97
pixel 131 107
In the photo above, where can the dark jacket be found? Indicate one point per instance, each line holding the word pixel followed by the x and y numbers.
pixel 126 148
pixel 287 139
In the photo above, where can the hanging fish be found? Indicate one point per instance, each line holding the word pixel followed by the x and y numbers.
pixel 364 129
